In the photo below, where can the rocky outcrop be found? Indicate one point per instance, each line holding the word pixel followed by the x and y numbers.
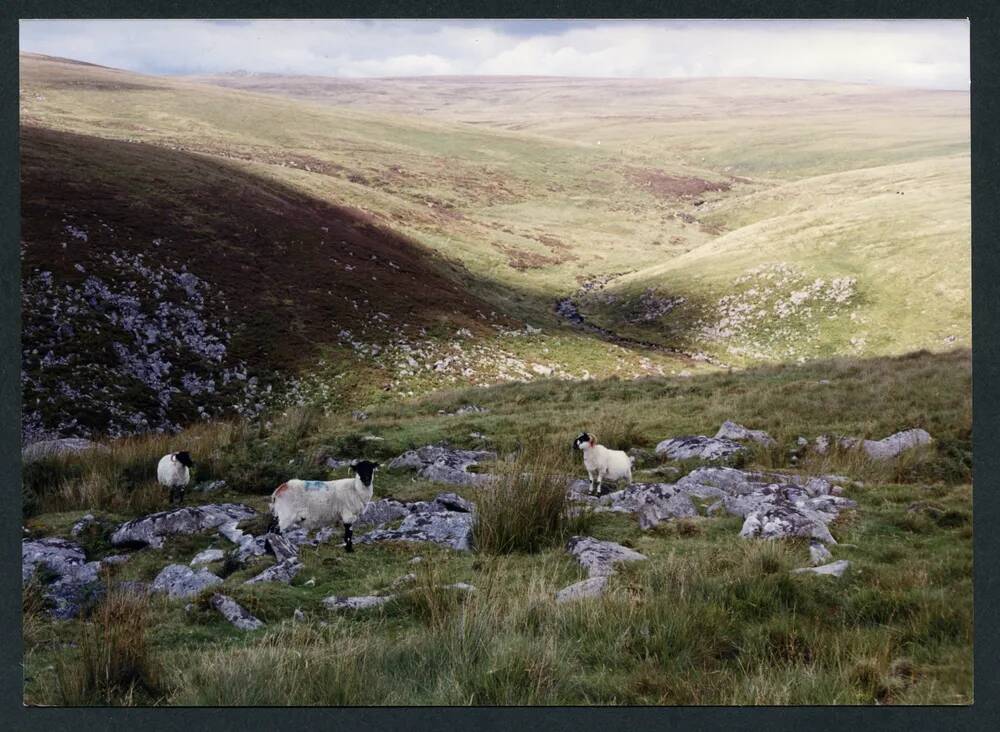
pixel 698 447
pixel 452 529
pixel 69 581
pixel 53 448
pixel 833 569
pixel 151 530
pixel 177 581
pixel 381 512
pixel 209 486
pixel 885 449
pixel 818 553
pixel 357 603
pixel 599 557
pixel 653 503
pixel 443 464
pixel 235 613
pixel 732 431
pixel 592 587
pixel 283 572
pixel 207 557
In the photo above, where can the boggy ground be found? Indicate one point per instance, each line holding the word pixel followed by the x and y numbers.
pixel 709 619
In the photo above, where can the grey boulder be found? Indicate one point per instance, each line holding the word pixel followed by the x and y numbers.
pixel 207 557
pixel 235 613
pixel 698 447
pixel 448 528
pixel 600 557
pixel 592 587
pixel 732 431
pixel 283 572
pixel 356 603
pixel 177 580
pixel 152 529
pixel 443 464
pixel 63 446
pixel 833 569
pixel 73 581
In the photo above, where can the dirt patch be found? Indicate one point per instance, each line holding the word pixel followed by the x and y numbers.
pixel 521 260
pixel 663 185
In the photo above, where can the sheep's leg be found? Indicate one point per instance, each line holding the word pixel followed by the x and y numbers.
pixel 273 527
pixel 593 485
pixel 348 538
pixel 600 478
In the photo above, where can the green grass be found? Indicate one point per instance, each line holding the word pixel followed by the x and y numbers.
pixel 709 619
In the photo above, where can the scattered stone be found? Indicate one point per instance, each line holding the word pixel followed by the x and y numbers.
pixel 834 569
pixel 404 580
pixel 592 587
pixel 652 503
pixel 337 463
pixel 698 447
pixel 298 616
pixel 152 529
pixel 463 586
pixel 443 464
pixel 357 603
pixel 62 446
pixel 73 581
pixel 541 370
pixel 470 409
pixel 82 525
pixel 454 502
pixel 416 560
pixel 732 431
pixel 818 553
pixel 284 572
pixel 281 546
pixel 235 613
pixel 178 581
pixel 382 511
pixel 599 557
pixel 893 445
pixel 359 416
pixel 781 521
pixel 447 528
pixel 207 557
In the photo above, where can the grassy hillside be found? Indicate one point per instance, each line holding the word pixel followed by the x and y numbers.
pixel 709 619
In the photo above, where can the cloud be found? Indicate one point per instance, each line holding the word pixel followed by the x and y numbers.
pixel 922 53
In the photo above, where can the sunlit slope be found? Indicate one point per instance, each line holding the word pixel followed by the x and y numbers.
pixel 782 128
pixel 891 246
pixel 527 212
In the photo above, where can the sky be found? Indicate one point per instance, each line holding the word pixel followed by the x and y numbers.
pixel 917 53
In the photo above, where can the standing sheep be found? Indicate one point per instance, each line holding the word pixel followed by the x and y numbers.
pixel 173 472
pixel 602 463
pixel 314 503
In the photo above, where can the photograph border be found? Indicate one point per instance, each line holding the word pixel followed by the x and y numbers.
pixel 985 121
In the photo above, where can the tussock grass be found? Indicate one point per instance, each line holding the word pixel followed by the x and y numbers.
pixel 114 664
pixel 525 509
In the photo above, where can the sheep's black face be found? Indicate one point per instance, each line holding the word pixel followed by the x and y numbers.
pixel 184 458
pixel 584 437
pixel 365 470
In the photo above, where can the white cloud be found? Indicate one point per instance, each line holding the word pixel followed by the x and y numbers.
pixel 925 53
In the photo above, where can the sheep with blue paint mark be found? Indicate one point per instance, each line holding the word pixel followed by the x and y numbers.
pixel 601 463
pixel 311 504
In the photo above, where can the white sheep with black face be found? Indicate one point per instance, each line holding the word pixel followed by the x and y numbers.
pixel 174 472
pixel 601 463
pixel 311 504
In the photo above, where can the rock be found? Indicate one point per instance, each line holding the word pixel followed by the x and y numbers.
pixel 653 503
pixel 416 560
pixel 599 557
pixel 298 616
pixel 381 512
pixel 447 528
pixel 454 502
pixel 463 586
pixel 359 416
pixel 834 569
pixel 443 464
pixel 82 525
pixel 592 587
pixel 357 603
pixel 732 431
pixel 282 547
pixel 250 546
pixel 283 572
pixel 179 581
pixel 819 553
pixel 893 445
pixel 336 463
pixel 231 532
pixel 209 486
pixel 781 521
pixel 63 446
pixel 404 580
pixel 207 557
pixel 71 581
pixel 698 447
pixel 470 409
pixel 150 530
pixel 541 370
pixel 235 613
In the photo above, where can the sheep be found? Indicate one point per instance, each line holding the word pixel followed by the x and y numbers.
pixel 173 472
pixel 602 463
pixel 314 503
